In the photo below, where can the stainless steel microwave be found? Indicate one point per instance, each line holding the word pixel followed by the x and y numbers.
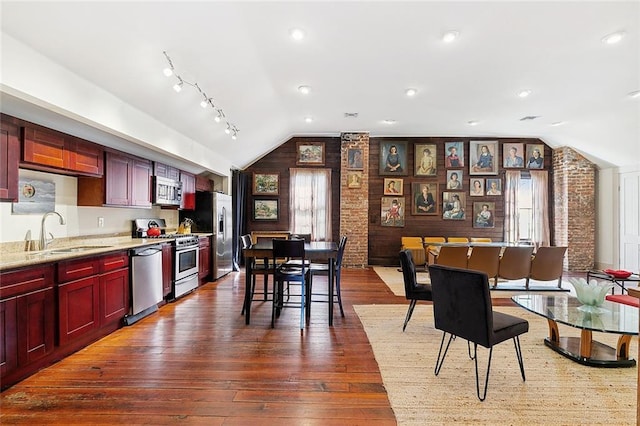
pixel 166 192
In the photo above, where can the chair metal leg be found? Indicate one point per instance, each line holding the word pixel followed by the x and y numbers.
pixel 486 380
pixel 409 313
pixel 338 292
pixel 440 361
pixel 516 343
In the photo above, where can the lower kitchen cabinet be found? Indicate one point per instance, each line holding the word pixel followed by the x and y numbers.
pixel 204 259
pixel 27 320
pixel 114 296
pixel 167 269
pixel 78 304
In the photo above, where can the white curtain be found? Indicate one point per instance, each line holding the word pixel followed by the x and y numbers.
pixel 540 206
pixel 511 214
pixel 310 203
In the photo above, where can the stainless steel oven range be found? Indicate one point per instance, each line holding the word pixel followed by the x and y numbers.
pixel 185 263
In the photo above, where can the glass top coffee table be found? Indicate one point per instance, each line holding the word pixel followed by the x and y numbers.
pixel 616 318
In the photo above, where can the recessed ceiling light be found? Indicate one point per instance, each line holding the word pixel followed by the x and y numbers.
pixel 450 36
pixel 613 38
pixel 557 123
pixel 296 33
pixel 167 72
pixel 411 92
pixel 304 89
pixel 472 123
pixel 308 119
pixel 389 121
pixel 635 94
pixel 524 93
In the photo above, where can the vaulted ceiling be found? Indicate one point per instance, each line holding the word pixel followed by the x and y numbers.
pixel 356 57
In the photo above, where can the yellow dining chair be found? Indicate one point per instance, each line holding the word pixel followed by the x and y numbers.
pixel 415 245
pixel 457 240
pixel 481 240
pixel 431 251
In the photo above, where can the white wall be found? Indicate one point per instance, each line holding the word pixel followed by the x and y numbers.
pixel 80 221
pixel 607 219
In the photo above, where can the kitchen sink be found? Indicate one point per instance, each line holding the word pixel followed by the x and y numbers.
pixel 66 250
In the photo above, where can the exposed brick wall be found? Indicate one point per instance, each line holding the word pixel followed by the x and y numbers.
pixel 354 203
pixel 574 207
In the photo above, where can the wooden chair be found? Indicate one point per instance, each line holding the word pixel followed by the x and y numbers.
pixel 485 259
pixel 413 290
pixel 432 251
pixel 416 246
pixel 462 308
pixel 289 249
pixel 323 269
pixel 260 267
pixel 457 240
pixel 547 264
pixel 515 263
pixel 453 256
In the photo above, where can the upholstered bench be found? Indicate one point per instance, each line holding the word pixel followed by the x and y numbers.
pixel 624 299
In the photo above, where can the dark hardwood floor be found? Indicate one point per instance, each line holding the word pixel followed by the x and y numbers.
pixel 196 362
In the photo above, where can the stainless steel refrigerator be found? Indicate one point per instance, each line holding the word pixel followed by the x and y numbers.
pixel 214 214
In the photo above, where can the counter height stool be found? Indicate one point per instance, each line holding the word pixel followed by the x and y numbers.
pixel 284 271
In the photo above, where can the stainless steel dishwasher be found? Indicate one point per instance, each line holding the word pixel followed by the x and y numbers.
pixel 146 282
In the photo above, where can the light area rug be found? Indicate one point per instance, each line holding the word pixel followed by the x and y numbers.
pixel 392 277
pixel 557 391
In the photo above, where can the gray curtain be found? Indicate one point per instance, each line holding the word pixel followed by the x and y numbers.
pixel 239 189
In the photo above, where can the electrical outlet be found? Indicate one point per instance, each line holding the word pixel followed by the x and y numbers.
pixel 101 222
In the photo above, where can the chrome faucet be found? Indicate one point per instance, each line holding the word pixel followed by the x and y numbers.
pixel 44 241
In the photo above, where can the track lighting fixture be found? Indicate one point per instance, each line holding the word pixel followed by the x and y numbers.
pixel 206 100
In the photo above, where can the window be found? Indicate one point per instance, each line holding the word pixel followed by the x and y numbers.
pixel 310 203
pixel 527 207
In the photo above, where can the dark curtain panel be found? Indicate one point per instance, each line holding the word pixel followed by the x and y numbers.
pixel 239 187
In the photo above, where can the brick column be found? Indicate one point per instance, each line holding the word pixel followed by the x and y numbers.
pixel 354 203
pixel 574 208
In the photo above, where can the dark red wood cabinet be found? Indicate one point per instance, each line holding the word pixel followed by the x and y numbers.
pixel 9 160
pixel 166 171
pixel 46 149
pixel 27 318
pixel 78 303
pixel 188 201
pixel 167 268
pixel 204 260
pixel 203 184
pixel 126 183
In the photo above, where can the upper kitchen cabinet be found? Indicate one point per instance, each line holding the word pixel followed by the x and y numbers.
pixel 203 184
pixel 126 183
pixel 165 171
pixel 9 160
pixel 48 150
pixel 188 201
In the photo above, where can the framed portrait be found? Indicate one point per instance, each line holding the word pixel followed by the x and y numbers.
pixel 535 156
pixel 310 153
pixel 494 186
pixel 453 205
pixel 425 198
pixel 483 212
pixel 354 179
pixel 453 154
pixel 392 211
pixel 354 159
pixel 266 183
pixel 393 186
pixel 513 155
pixel 393 158
pixel 264 209
pixel 454 180
pixel 425 159
pixel 476 187
pixel 483 157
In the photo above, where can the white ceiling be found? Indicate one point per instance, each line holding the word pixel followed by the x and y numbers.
pixel 358 57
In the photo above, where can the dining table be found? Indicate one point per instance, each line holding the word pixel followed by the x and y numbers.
pixel 315 251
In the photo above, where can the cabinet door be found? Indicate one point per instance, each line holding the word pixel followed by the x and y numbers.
pixel 203 184
pixel 205 259
pixel 43 147
pixel 78 303
pixel 85 157
pixel 9 161
pixel 9 336
pixel 36 322
pixel 118 179
pixel 141 183
pixel 188 201
pixel 167 269
pixel 165 171
pixel 114 296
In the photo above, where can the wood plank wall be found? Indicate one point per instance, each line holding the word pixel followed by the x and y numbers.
pixel 384 241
